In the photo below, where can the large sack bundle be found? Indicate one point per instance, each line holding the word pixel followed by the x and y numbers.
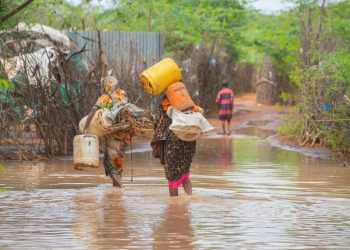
pixel 189 125
pixel 99 124
pixel 127 117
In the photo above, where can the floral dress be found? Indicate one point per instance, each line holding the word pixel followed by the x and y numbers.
pixel 116 143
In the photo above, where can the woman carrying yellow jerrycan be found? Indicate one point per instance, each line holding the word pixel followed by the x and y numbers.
pixel 175 154
pixel 159 76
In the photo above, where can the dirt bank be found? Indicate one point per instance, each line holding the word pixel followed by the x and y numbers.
pixel 263 121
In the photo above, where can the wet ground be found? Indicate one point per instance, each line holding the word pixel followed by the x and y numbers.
pixel 247 194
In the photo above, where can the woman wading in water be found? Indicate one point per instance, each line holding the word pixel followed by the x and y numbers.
pixel 116 143
pixel 175 154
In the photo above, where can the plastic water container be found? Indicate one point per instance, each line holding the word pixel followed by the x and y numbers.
pixel 85 151
pixel 179 97
pixel 156 78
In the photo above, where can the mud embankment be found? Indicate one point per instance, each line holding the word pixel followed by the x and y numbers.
pixel 263 121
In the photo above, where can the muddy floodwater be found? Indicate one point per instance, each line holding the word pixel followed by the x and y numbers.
pixel 246 194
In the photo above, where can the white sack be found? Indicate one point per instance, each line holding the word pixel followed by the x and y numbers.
pixel 28 63
pixel 189 125
pixel 54 34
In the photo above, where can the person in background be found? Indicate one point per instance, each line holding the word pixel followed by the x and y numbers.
pixel 175 154
pixel 225 102
pixel 116 143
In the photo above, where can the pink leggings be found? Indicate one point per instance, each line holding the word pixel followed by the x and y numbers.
pixel 178 182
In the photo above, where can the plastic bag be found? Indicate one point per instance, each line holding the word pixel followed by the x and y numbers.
pixel 189 125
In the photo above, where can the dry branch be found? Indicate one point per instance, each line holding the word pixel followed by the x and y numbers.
pixel 16 10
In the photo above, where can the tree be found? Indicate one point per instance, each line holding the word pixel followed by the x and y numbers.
pixel 13 12
pixel 184 24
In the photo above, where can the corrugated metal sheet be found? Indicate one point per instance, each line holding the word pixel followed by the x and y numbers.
pixel 117 45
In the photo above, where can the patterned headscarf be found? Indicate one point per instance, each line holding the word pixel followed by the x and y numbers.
pixel 110 84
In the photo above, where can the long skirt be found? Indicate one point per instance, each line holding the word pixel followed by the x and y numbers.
pixel 178 156
pixel 116 146
pixel 225 112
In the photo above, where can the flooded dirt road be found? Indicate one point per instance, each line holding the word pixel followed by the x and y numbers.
pixel 247 194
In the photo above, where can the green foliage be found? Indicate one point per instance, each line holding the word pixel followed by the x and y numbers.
pixel 184 24
pixel 286 97
pixel 5 84
pixel 323 75
pixel 338 139
pixel 273 35
pixel 335 68
pixel 55 13
pixel 292 126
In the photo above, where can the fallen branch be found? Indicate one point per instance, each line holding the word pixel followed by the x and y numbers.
pixel 267 81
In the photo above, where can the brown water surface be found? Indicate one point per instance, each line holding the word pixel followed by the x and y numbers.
pixel 247 194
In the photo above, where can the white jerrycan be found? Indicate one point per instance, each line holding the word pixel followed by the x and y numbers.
pixel 85 151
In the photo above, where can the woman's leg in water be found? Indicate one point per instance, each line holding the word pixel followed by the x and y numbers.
pixel 111 170
pixel 116 146
pixel 117 179
pixel 187 185
pixel 173 191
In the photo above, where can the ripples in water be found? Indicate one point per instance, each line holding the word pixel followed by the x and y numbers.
pixel 247 194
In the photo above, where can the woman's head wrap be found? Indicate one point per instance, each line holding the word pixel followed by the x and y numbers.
pixel 110 83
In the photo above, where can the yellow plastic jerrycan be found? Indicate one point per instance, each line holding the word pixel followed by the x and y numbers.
pixel 158 77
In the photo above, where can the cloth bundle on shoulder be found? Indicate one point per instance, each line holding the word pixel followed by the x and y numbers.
pixel 106 120
pixel 99 124
pixel 189 125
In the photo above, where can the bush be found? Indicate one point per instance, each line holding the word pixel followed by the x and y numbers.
pixel 292 128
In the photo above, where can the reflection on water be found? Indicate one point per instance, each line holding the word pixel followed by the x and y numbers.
pixel 101 220
pixel 226 152
pixel 175 226
pixel 246 194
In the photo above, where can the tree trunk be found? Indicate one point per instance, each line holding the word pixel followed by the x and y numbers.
pixel 266 91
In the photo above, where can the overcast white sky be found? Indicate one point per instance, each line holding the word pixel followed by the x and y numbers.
pixel 271 5
pixel 263 5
